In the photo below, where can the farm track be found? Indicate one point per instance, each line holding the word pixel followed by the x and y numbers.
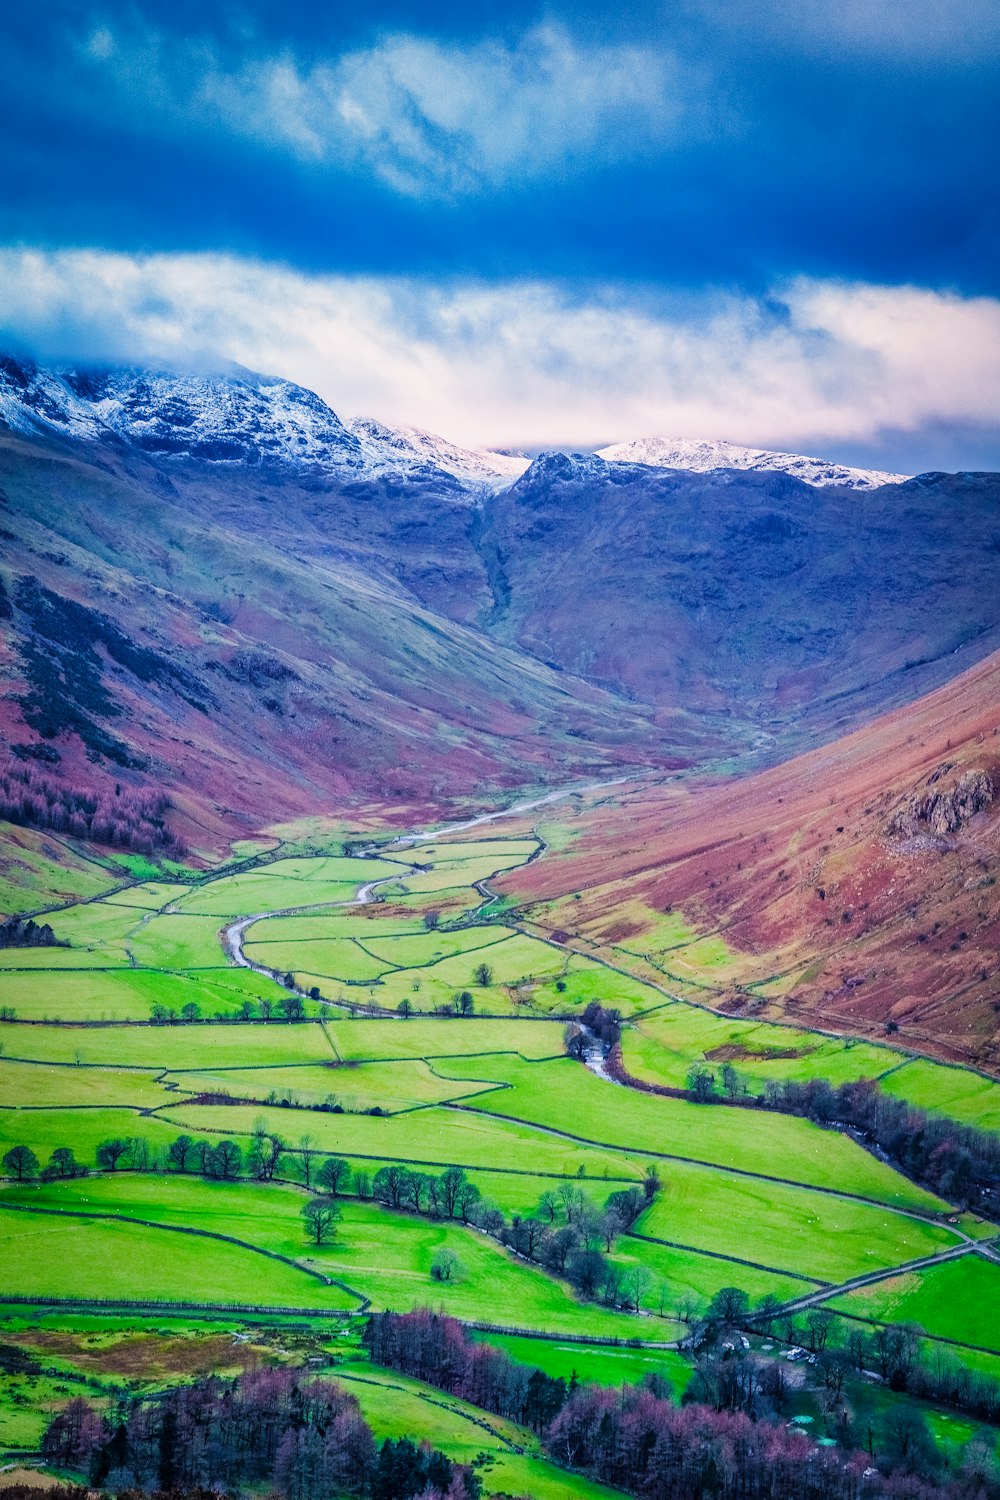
pixel 871 1278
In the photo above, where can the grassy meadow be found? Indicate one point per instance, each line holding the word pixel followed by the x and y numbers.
pixel 142 1028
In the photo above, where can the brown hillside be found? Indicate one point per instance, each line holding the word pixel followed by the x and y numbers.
pixel 854 886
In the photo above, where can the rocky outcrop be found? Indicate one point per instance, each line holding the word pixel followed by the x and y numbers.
pixel 944 806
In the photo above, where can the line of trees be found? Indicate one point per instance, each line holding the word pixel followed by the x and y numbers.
pixel 637 1439
pixel 956 1161
pixel 569 1235
pixel 20 932
pixel 301 1439
pixel 289 1008
pixel 120 816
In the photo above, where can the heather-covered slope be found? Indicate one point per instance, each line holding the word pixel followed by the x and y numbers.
pixel 854 887
pixel 795 612
pixel 216 588
pixel 257 648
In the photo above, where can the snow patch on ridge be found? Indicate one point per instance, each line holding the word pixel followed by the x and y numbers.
pixel 702 457
pixel 383 445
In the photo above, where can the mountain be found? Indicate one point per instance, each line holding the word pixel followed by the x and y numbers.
pixel 214 585
pixel 385 448
pixel 258 636
pixel 852 888
pixel 792 611
pixel 235 418
pixel 705 457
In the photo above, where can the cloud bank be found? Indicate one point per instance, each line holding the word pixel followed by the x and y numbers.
pixel 534 364
pixel 427 116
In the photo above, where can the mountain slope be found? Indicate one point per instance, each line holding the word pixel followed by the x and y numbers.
pixel 853 887
pixel 237 418
pixel 705 457
pixel 796 612
pixel 258 648
pixel 280 608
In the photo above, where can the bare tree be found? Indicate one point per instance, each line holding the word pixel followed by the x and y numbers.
pixel 320 1216
pixel 308 1150
pixel 333 1175
pixel 21 1162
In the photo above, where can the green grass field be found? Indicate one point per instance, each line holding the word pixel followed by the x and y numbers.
pixel 563 1095
pixel 529 1120
pixel 397 1406
pixel 440 1037
pixel 233 1045
pixel 955 1092
pixel 333 958
pixel 66 1256
pixel 356 1086
pixel 30 1085
pixel 661 1047
pixel 384 1255
pixel 957 1300
pixel 434 1137
pixel 591 1363
pixel 178 942
pixel 792 1228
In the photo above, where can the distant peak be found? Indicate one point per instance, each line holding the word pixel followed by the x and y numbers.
pixel 703 456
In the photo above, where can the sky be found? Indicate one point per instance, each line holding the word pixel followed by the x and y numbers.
pixel 528 226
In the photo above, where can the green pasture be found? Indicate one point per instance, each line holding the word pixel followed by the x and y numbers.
pixel 592 1363
pixel 362 922
pixel 397 1406
pixel 792 1228
pixel 60 961
pixel 81 1129
pixel 27 1405
pixel 392 1086
pixel 506 852
pixel 563 1095
pixel 239 895
pixel 661 1047
pixel 328 958
pixel 39 870
pixel 31 1085
pixel 95 924
pixel 431 947
pixel 963 1096
pixel 234 1044
pixel 429 1137
pixel 60 1255
pixel 956 1300
pixel 127 994
pixel 152 895
pixel 384 1255
pixel 688 1279
pixel 671 942
pixel 441 1036
pixel 179 942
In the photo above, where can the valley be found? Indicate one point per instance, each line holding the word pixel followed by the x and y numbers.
pixel 405 1022
pixel 534 910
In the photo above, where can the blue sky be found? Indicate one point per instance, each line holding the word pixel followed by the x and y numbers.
pixel 773 221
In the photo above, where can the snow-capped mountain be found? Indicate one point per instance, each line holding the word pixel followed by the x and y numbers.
pixel 702 457
pixel 392 446
pixel 244 418
pixel 238 417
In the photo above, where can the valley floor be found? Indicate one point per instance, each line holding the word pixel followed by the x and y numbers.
pixel 205 1045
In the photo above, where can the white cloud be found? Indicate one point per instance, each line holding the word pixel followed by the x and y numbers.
pixel 427 116
pixel 536 364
